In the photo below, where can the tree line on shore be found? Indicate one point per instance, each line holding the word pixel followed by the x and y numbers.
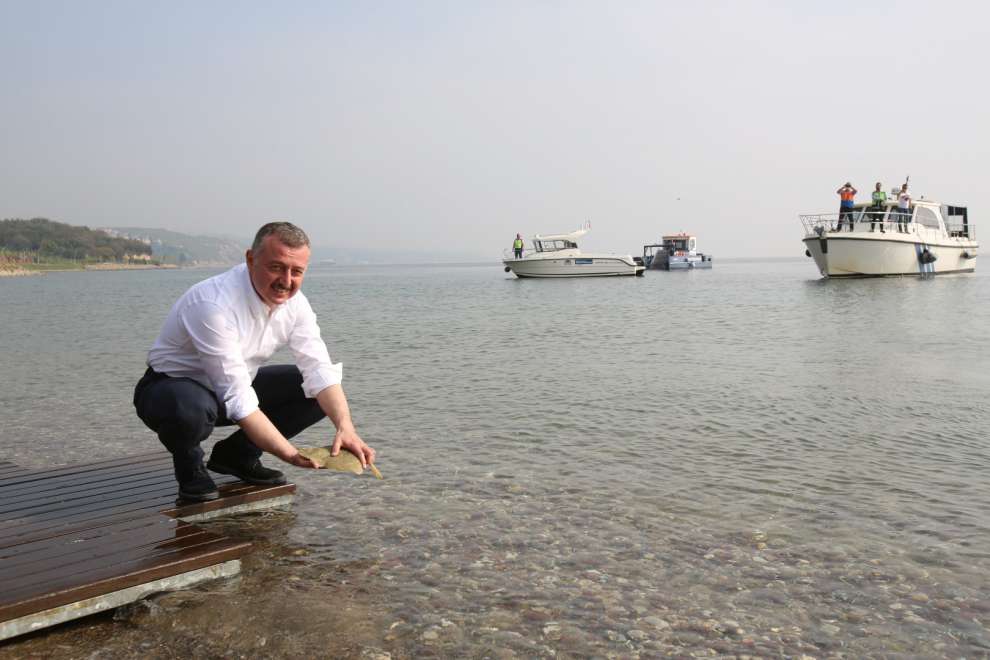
pixel 40 238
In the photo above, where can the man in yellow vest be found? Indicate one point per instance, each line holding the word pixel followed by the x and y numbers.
pixel 879 204
pixel 517 246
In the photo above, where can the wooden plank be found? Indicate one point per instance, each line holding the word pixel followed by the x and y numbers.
pixel 101 572
pixel 71 500
pixel 55 546
pixel 96 516
pixel 74 533
pixel 127 576
pixel 231 499
pixel 66 501
pixel 54 493
pixel 34 475
pixel 112 599
pixel 71 541
pixel 21 484
pixel 102 560
pixel 74 480
pixel 35 573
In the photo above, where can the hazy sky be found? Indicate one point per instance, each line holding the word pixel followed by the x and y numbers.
pixel 453 125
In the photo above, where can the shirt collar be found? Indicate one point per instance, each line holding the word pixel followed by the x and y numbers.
pixel 257 306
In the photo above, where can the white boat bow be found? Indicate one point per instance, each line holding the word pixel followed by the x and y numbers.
pixel 929 239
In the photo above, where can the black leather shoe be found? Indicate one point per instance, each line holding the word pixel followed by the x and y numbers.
pixel 252 471
pixel 199 487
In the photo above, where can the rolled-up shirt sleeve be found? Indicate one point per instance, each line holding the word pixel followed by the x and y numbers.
pixel 311 354
pixel 214 335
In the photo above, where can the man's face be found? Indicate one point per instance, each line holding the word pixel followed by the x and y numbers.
pixel 277 270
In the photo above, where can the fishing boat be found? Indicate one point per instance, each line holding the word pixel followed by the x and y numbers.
pixel 875 241
pixel 558 255
pixel 675 252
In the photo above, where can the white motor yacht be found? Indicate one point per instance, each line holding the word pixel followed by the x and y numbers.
pixel 558 255
pixel 675 252
pixel 930 239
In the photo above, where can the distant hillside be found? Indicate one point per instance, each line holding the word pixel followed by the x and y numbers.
pixel 46 239
pixel 185 249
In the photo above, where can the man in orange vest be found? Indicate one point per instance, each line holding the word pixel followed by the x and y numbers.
pixel 846 193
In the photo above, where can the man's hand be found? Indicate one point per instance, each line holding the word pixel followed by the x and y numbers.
pixel 301 461
pixel 347 438
pixel 334 404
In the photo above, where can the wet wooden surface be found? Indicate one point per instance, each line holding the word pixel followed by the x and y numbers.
pixel 75 532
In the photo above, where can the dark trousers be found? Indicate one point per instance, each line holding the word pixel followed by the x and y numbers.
pixel 183 413
pixel 876 213
pixel 845 214
pixel 518 252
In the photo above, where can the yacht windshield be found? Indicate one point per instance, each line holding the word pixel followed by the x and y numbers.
pixel 553 246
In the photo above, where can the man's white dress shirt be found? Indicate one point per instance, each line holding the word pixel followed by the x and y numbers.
pixel 220 332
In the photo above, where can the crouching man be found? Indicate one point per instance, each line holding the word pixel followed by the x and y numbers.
pixel 204 370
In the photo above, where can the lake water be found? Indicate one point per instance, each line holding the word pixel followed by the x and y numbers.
pixel 746 461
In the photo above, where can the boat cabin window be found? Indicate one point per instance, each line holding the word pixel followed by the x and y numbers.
pixel 927 217
pixel 956 220
pixel 553 246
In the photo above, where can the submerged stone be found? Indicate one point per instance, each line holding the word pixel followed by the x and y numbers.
pixel 345 461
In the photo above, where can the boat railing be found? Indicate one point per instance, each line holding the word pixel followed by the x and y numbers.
pixel 817 224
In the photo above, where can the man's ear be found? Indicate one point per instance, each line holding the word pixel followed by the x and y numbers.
pixel 249 258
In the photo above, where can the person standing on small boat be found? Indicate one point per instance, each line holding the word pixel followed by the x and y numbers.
pixel 204 370
pixel 846 194
pixel 903 208
pixel 517 246
pixel 879 202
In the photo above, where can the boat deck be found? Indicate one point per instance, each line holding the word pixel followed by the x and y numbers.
pixel 85 538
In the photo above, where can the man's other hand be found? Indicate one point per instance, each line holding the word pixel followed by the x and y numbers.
pixel 349 439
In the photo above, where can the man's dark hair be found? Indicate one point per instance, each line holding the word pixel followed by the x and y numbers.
pixel 286 232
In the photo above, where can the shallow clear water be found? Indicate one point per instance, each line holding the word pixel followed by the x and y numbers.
pixel 747 461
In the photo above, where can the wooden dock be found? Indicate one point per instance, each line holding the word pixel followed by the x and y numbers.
pixel 82 539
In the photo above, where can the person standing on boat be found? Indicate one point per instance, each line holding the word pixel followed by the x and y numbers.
pixel 903 208
pixel 846 194
pixel 517 246
pixel 879 202
pixel 204 370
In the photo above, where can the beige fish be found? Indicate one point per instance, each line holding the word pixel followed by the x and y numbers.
pixel 345 461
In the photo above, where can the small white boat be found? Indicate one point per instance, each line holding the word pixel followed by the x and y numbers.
pixel 930 239
pixel 675 252
pixel 558 255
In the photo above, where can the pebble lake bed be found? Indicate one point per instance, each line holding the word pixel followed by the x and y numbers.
pixel 743 462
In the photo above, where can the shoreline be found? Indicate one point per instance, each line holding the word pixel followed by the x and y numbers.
pixel 129 267
pixel 23 272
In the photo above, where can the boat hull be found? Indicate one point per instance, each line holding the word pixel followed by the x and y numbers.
pixel 693 263
pixel 573 267
pixel 877 255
